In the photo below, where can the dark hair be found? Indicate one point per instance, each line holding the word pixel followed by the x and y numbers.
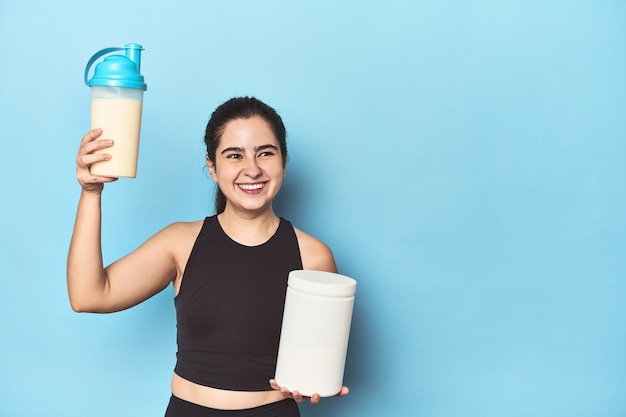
pixel 240 108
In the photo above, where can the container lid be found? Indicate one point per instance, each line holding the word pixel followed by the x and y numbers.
pixel 117 70
pixel 323 283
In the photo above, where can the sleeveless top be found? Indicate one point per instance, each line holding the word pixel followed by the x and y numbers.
pixel 229 308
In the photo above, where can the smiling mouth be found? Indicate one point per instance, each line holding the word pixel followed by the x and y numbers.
pixel 251 187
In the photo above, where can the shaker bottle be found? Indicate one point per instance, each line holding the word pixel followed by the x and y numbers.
pixel 116 103
pixel 315 331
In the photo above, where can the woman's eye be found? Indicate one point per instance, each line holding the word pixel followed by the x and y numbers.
pixel 266 154
pixel 233 156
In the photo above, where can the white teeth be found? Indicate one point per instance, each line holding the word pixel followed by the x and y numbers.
pixel 251 186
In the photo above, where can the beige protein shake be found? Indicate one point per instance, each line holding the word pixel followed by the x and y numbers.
pixel 120 120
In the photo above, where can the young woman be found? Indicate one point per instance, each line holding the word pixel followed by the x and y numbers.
pixel 229 271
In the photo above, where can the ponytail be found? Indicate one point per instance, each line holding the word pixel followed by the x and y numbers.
pixel 220 200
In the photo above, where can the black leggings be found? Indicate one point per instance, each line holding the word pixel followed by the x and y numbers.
pixel 182 408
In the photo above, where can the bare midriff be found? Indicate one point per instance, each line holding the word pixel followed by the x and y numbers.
pixel 221 399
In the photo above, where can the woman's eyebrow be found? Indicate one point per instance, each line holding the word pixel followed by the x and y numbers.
pixel 262 147
pixel 233 149
pixel 242 150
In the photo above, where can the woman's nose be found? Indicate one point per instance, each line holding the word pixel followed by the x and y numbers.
pixel 252 168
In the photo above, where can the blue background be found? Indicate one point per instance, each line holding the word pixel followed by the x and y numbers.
pixel 464 160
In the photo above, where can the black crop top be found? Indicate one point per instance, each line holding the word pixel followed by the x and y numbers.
pixel 229 308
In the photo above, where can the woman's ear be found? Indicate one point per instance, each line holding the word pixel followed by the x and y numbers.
pixel 211 165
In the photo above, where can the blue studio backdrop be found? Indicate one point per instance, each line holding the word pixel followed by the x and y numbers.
pixel 465 160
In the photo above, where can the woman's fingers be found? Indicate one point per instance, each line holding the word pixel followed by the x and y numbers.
pixel 89 145
pixel 274 385
pixel 315 398
pixel 297 396
pixel 91 135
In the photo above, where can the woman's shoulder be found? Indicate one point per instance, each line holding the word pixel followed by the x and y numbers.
pixel 177 239
pixel 316 255
pixel 179 232
pixel 184 226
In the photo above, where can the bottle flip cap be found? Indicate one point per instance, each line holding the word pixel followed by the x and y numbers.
pixel 117 70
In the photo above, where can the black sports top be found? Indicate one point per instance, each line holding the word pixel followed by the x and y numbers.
pixel 229 308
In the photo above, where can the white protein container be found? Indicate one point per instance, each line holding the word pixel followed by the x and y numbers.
pixel 315 332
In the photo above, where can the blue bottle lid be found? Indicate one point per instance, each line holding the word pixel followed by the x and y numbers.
pixel 117 70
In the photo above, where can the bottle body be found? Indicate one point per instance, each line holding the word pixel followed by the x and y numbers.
pixel 314 339
pixel 117 111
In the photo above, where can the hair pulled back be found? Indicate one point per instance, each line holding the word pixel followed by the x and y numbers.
pixel 240 108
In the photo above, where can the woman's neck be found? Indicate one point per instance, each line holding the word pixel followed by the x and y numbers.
pixel 249 230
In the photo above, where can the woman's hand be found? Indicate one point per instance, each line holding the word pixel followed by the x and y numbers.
pixel 86 156
pixel 315 398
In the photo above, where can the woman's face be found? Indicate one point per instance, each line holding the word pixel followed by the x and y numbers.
pixel 248 166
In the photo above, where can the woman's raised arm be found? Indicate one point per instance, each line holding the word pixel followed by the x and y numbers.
pixel 126 282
